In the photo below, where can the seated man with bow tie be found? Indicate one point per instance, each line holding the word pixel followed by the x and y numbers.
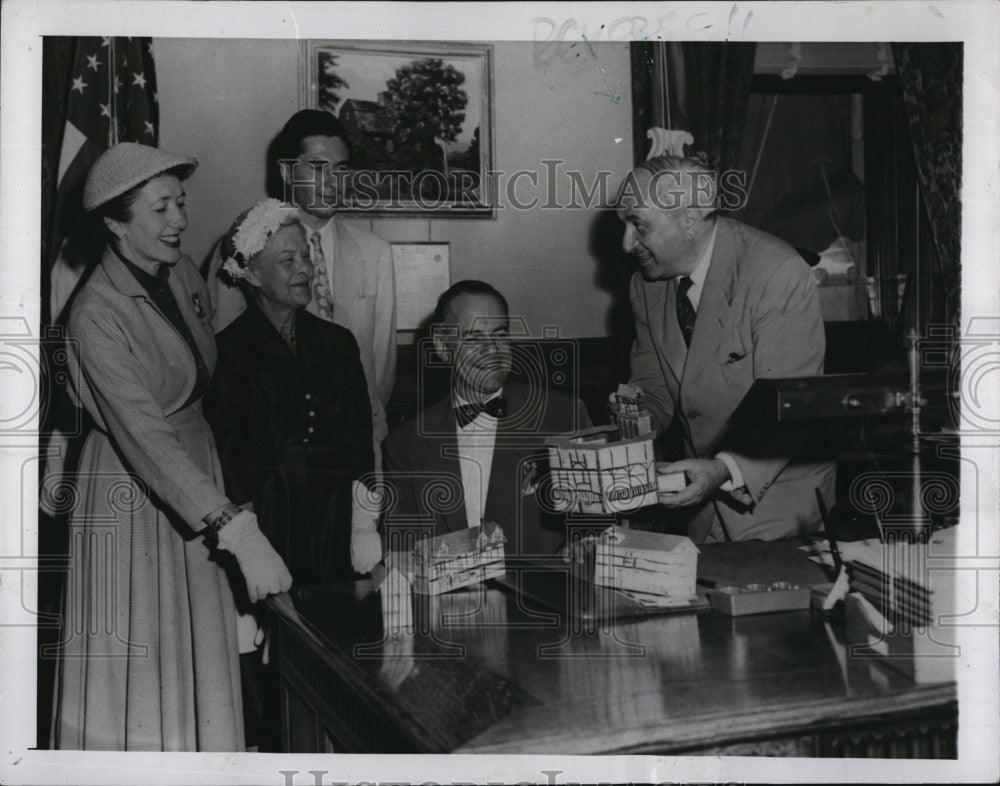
pixel 717 305
pixel 479 454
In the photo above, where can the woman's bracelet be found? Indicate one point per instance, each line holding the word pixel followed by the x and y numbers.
pixel 211 532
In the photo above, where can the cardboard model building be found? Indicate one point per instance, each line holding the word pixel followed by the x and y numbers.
pixel 629 413
pixel 458 559
pixel 596 471
pixel 610 469
pixel 395 593
pixel 649 563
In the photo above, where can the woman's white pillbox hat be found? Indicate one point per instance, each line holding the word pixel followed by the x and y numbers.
pixel 126 165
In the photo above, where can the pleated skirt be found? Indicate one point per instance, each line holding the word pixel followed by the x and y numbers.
pixel 149 659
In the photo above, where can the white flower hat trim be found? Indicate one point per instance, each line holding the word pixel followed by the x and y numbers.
pixel 263 220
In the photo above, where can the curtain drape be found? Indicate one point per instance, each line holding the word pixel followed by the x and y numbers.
pixel 699 87
pixel 930 79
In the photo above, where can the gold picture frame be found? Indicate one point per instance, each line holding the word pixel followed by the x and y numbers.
pixel 411 156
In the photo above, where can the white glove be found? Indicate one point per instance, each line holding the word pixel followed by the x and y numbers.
pixel 366 546
pixel 263 569
pixel 51 491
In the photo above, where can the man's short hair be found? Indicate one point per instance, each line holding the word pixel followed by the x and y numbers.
pixel 288 143
pixel 665 162
pixel 469 286
pixel 671 169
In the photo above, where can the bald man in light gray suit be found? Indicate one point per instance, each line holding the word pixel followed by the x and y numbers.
pixel 717 305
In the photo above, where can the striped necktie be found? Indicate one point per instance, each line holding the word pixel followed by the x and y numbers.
pixel 685 311
pixel 321 283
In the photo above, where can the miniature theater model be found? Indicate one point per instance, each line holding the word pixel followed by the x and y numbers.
pixel 595 471
pixel 628 410
pixel 609 469
pixel 646 564
pixel 458 559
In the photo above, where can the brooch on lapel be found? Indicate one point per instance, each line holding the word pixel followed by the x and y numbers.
pixel 199 309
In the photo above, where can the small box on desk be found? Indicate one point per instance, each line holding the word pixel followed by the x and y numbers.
pixel 458 559
pixel 646 562
pixel 739 601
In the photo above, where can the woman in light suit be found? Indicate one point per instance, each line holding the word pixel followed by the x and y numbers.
pixel 149 653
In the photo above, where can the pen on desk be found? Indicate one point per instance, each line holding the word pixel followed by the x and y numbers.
pixel 828 526
pixel 878 523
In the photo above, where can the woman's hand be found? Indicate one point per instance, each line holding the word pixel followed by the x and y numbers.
pixel 366 545
pixel 263 569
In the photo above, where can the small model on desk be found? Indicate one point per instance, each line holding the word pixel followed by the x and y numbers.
pixel 458 559
pixel 646 564
pixel 396 594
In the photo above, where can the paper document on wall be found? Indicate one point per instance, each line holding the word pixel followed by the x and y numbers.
pixel 422 274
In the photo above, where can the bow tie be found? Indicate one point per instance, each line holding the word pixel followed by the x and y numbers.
pixel 466 413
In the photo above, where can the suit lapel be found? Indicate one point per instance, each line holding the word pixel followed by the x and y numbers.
pixel 126 283
pixel 659 300
pixel 504 476
pixel 120 276
pixel 713 307
pixel 347 267
pixel 440 447
pixel 203 336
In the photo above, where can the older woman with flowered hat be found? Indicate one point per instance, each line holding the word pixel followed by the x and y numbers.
pixel 288 403
pixel 149 657
pixel 290 407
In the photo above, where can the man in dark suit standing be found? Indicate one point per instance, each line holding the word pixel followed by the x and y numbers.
pixel 717 305
pixel 479 453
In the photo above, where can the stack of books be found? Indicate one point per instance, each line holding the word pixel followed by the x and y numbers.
pixel 899 603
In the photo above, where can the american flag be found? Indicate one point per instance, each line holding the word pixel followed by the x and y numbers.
pixel 111 98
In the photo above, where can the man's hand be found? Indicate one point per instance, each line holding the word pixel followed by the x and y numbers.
pixel 704 477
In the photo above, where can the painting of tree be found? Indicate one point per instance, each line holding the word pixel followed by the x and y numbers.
pixel 418 119
pixel 330 82
pixel 427 103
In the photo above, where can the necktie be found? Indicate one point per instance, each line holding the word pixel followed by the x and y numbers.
pixel 321 284
pixel 163 272
pixel 685 311
pixel 466 413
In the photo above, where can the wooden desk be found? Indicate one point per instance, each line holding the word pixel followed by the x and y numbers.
pixel 485 674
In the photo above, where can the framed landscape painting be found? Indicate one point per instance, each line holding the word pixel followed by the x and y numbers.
pixel 419 120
